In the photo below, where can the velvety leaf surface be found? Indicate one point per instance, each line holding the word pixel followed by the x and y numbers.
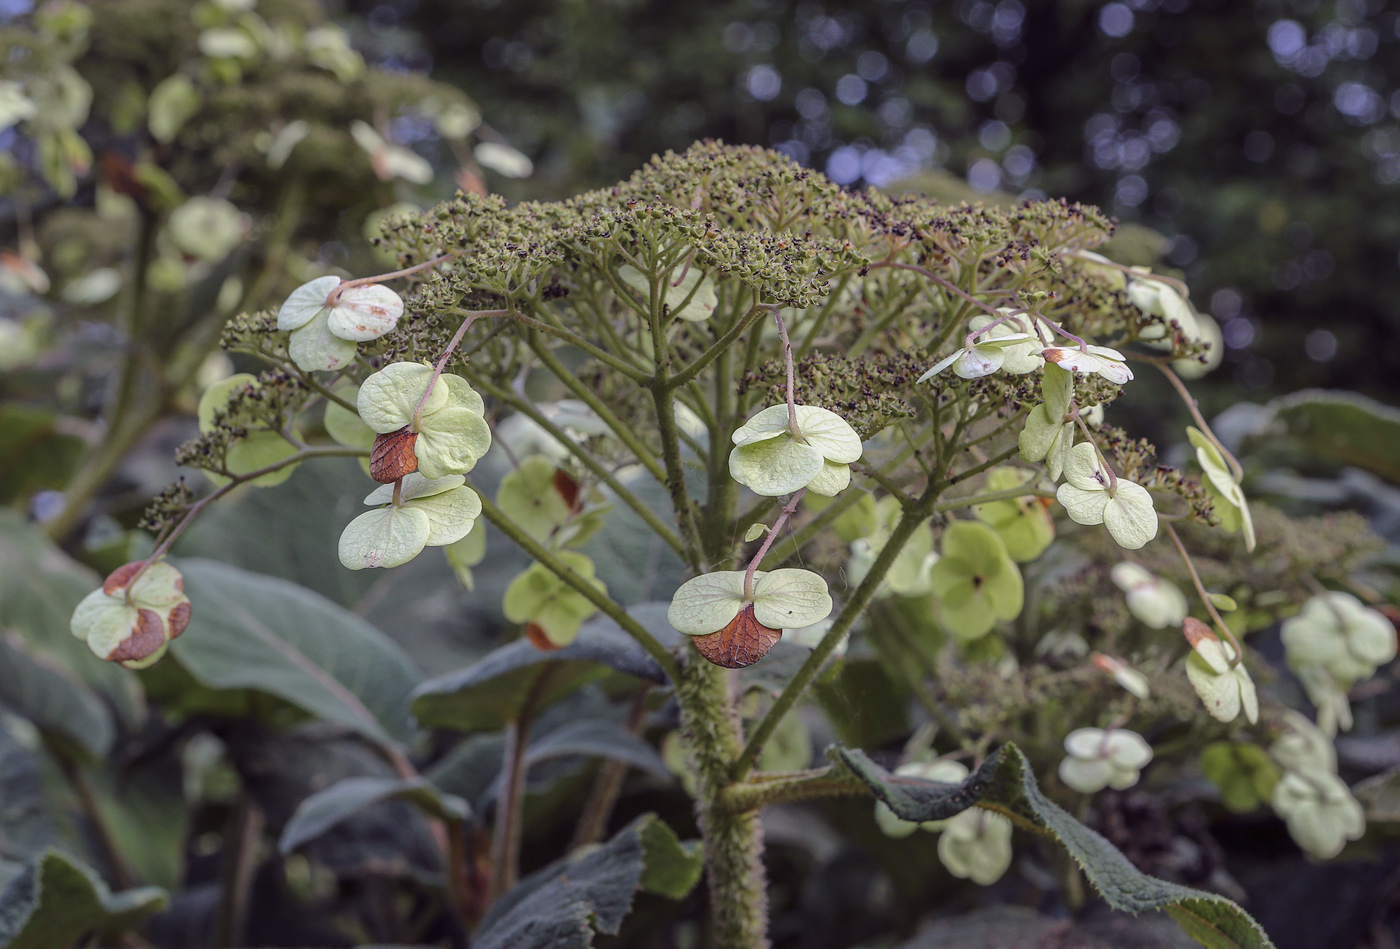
pixel 1317 425
pixel 598 739
pixel 257 632
pixel 1005 784
pixel 490 693
pixel 56 899
pixel 38 689
pixel 561 906
pixel 325 809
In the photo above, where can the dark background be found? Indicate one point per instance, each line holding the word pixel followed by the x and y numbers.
pixel 1262 138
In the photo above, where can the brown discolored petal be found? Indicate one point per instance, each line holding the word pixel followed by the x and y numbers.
pixel 118 578
pixel 538 638
pixel 393 456
pixel 179 618
pixel 568 489
pixel 742 643
pixel 1196 631
pixel 146 638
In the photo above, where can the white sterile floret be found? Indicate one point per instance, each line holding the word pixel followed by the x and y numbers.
pixel 1047 436
pixel 1225 690
pixel 942 772
pixel 1160 299
pixel 690 296
pixel 390 161
pixel 1156 602
pixel 1132 681
pixel 1020 358
pixel 772 459
pixel 1337 632
pixel 452 432
pixel 1321 813
pixel 1224 490
pixel 783 599
pixel 976 845
pixel 429 513
pixel 984 357
pixel 1108 363
pixel 1090 496
pixel 1304 747
pixel 1099 759
pixel 324 335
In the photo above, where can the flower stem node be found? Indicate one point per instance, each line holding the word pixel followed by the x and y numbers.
pixel 691 297
pixel 747 623
pixel 450 428
pixel 1226 690
pixel 325 331
pixel 1098 759
pixel 772 457
pixel 1092 495
pixel 134 622
pixel 427 513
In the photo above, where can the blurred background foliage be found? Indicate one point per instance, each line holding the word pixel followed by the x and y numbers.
pixel 1262 138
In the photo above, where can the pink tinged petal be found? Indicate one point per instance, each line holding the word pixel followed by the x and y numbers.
pixel 365 313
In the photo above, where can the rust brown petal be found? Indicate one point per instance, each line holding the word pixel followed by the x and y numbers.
pixel 568 489
pixel 117 579
pixel 1196 631
pixel 392 456
pixel 145 638
pixel 535 633
pixel 179 618
pixel 742 643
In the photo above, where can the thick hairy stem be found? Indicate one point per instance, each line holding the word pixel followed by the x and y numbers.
pixel 761 790
pixel 733 838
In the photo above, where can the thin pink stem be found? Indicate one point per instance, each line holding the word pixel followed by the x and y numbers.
pixel 788 510
pixel 441 365
pixel 968 342
pixel 1195 411
pixel 1205 597
pixel 334 297
pixel 791 374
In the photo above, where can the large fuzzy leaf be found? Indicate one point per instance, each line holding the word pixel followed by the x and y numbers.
pixel 1006 785
pixel 37 688
pixel 250 631
pixel 344 799
pixel 1320 426
pixel 485 696
pixel 39 587
pixel 563 905
pixel 56 898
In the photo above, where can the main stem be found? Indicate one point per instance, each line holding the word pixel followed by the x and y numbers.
pixel 733 838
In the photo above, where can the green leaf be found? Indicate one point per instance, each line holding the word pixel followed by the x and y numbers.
pixel 1340 428
pixel 39 589
pixel 27 822
pixel 254 632
pixel 342 800
pixel 34 454
pixel 1005 784
pixel 487 695
pixel 38 689
pixel 563 905
pixel 1379 795
pixel 56 899
pixel 592 738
